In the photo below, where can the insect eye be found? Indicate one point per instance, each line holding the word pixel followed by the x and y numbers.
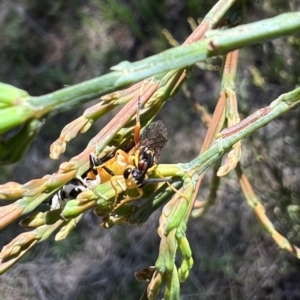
pixel 127 172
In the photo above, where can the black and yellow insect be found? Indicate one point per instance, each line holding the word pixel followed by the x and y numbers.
pixel 133 166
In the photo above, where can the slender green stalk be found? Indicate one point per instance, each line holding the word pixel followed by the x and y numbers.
pixel 217 42
pixel 260 118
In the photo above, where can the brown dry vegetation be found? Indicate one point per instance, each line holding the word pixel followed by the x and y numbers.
pixel 46 45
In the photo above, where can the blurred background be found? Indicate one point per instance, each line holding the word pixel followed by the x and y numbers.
pixel 46 45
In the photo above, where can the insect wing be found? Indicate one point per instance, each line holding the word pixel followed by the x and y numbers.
pixel 154 137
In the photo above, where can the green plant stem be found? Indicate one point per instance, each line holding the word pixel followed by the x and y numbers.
pixel 218 42
pixel 281 105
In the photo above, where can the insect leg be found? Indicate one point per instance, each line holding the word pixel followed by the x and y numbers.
pixel 95 162
pixel 129 199
pixel 117 179
pixel 171 186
